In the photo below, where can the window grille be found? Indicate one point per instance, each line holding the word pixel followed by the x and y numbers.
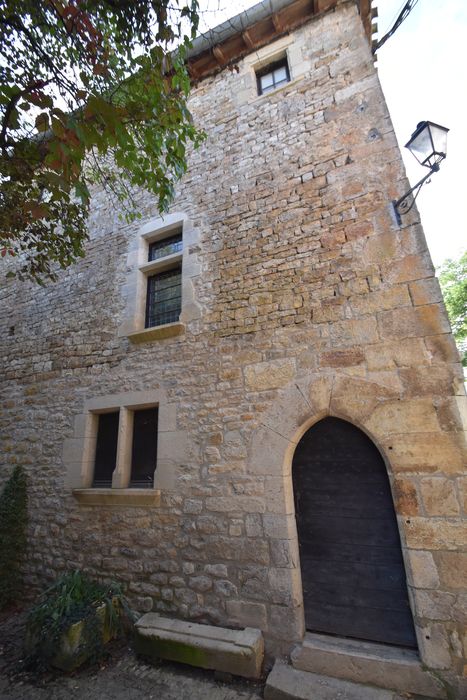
pixel 167 246
pixel 164 297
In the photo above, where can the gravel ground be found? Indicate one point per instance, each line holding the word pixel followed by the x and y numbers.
pixel 122 676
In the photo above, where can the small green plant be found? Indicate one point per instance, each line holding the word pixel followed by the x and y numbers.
pixel 74 598
pixel 13 540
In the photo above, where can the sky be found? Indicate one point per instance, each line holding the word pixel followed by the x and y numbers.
pixel 422 69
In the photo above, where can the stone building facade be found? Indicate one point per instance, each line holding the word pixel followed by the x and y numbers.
pixel 301 298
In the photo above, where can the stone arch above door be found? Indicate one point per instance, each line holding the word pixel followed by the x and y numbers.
pixel 305 402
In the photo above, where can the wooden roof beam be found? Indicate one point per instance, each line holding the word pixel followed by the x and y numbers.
pixel 246 36
pixel 219 55
pixel 194 74
pixel 276 20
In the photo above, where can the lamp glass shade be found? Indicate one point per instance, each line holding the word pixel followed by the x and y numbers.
pixel 428 143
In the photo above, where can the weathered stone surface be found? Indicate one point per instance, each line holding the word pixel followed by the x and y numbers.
pixel 434 646
pixel 269 375
pixel 462 486
pixel 408 416
pixel 244 504
pixel 439 382
pixel 354 332
pixel 342 358
pixel 243 613
pixel 363 662
pixel 284 622
pixel 410 267
pixel 358 398
pixel 422 571
pixel 405 353
pixel 439 496
pixel 405 497
pixel 425 291
pixel 434 605
pixel 425 453
pixel 239 652
pixel 452 567
pixel 407 323
pixel 287 683
pixel 423 533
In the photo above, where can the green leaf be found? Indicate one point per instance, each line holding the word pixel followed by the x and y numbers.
pixel 42 122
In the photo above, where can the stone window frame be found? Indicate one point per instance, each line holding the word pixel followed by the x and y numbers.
pixel 79 450
pixel 138 271
pixel 257 61
pixel 270 69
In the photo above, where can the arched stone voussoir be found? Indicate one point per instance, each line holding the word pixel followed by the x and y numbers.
pixel 357 398
pixel 302 404
pixel 279 430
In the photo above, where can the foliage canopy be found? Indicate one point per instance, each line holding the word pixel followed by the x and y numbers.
pixel 90 93
pixel 453 280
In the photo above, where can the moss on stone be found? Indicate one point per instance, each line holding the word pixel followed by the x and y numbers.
pixel 154 647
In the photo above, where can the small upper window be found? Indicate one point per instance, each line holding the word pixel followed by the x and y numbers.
pixel 273 76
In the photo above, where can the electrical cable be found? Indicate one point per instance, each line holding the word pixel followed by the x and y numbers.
pixel 404 13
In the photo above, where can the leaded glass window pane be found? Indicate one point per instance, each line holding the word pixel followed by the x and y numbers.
pixel 164 300
pixel 167 246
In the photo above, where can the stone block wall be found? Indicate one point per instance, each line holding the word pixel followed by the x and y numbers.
pixel 310 301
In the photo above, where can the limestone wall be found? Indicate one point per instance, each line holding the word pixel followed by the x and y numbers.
pixel 306 300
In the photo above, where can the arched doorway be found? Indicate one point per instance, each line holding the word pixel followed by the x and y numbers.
pixel 353 575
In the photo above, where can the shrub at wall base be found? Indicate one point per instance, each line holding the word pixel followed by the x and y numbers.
pixel 13 540
pixel 72 622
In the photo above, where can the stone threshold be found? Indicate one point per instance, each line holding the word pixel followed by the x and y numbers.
pixel 287 683
pixel 368 663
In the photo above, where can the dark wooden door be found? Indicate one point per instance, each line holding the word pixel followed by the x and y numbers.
pixel 353 575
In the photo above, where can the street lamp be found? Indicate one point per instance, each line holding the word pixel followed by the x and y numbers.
pixel 428 145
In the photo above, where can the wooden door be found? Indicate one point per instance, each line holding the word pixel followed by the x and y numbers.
pixel 353 575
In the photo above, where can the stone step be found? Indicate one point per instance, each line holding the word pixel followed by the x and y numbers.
pixel 239 652
pixel 366 662
pixel 287 683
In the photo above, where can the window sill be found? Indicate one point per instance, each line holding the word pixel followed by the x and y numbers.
pixel 117 497
pixel 161 264
pixel 168 330
pixel 280 88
